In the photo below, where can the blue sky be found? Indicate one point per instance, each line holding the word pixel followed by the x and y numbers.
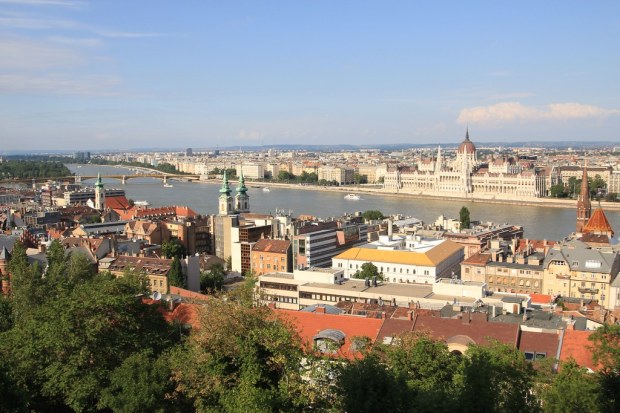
pixel 126 74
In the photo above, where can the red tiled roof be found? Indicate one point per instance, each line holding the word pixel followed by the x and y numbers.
pixel 117 202
pixel 541 298
pixel 179 211
pixel 598 223
pixel 272 245
pixel 188 294
pixel 537 342
pixel 480 259
pixel 308 325
pixel 576 345
pixel 479 331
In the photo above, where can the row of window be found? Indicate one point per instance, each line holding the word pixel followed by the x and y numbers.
pixel 387 269
pixel 512 281
pixel 161 283
pixel 278 286
pixel 280 299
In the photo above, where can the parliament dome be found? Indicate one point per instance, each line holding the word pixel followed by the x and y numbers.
pixel 467 146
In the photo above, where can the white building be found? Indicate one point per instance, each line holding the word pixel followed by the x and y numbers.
pixel 409 259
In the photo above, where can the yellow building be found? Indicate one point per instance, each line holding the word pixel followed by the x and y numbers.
pixel 576 270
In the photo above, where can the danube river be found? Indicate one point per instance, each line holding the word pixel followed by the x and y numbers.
pixel 538 222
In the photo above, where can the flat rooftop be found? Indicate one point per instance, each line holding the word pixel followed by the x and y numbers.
pixel 409 290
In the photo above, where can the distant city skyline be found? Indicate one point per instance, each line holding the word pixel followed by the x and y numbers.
pixel 80 75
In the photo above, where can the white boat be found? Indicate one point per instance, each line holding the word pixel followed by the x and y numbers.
pixel 168 185
pixel 265 189
pixel 352 197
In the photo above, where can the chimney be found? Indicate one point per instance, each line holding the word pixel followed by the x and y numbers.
pixel 374 281
pixel 319 309
pixel 390 229
pixel 410 315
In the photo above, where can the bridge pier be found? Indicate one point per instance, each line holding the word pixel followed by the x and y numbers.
pixel 78 179
pixel 165 179
pixel 124 180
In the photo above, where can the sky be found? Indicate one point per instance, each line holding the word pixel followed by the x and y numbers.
pixel 107 74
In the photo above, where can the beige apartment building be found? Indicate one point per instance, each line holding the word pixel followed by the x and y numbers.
pixel 339 174
pixel 576 270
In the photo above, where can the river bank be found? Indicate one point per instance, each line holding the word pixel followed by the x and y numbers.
pixel 536 202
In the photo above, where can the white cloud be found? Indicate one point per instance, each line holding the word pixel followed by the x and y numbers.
pixel 60 84
pixel 127 35
pixel 515 111
pixel 75 41
pixel 21 21
pixel 249 135
pixel 17 53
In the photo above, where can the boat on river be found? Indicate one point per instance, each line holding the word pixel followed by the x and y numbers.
pixel 352 197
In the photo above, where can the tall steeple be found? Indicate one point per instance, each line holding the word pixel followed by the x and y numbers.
pixel 242 199
pixel 226 206
pixel 439 161
pixel 99 194
pixel 584 207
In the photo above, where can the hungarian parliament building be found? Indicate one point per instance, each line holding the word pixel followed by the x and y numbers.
pixel 466 176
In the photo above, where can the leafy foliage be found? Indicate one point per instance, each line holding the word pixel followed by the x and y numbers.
pixel 176 277
pixel 372 215
pixel 573 390
pixel 173 248
pixel 242 359
pixel 213 279
pixel 464 218
pixel 369 270
pixel 32 169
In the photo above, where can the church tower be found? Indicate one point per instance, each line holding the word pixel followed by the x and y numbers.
pixel 99 194
pixel 226 206
pixel 5 257
pixel 242 199
pixel 584 207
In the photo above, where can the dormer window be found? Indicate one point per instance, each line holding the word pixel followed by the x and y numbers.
pixel 329 341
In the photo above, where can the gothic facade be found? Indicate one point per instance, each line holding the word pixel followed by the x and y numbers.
pixel 467 176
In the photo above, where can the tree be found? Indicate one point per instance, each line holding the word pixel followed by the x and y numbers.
pixel 176 277
pixel 65 348
pixel 213 279
pixel 369 270
pixel 572 390
pixel 427 367
pixel 597 185
pixel 367 385
pixel 495 378
pixel 285 176
pixel 372 215
pixel 606 352
pixel 173 248
pixel 558 191
pixel 360 179
pixel 141 383
pixel 242 359
pixel 464 218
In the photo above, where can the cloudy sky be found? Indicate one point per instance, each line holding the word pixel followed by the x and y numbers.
pixel 126 74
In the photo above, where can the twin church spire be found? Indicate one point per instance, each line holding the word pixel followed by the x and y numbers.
pixel 241 201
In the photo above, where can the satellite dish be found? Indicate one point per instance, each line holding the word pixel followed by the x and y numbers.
pixel 156 296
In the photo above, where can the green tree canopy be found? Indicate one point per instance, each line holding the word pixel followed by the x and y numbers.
pixel 572 390
pixel 173 248
pixel 243 359
pixel 369 270
pixel 176 277
pixel 372 215
pixel 464 218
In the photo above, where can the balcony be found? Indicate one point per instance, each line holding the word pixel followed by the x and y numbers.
pixel 588 290
pixel 563 276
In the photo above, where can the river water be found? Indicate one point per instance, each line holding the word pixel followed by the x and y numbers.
pixel 538 222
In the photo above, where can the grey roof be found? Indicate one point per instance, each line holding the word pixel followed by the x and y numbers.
pixel 8 241
pixel 4 254
pixel 331 334
pixel 581 323
pixel 329 309
pixel 580 257
pixel 515 300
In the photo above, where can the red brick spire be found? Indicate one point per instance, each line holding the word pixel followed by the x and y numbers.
pixel 584 207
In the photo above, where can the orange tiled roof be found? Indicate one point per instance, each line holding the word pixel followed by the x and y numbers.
pixel 598 223
pixel 541 298
pixel 308 325
pixel 272 245
pixel 576 345
pixel 117 202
